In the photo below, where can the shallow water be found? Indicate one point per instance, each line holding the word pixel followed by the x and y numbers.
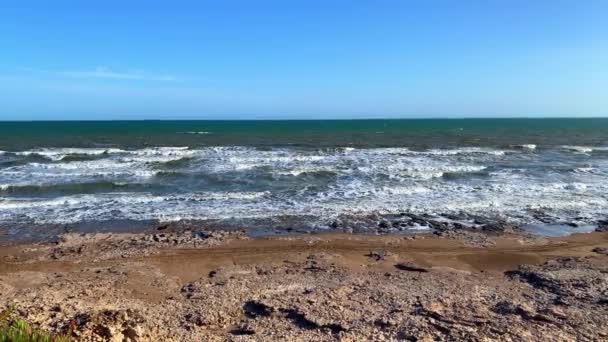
pixel 557 229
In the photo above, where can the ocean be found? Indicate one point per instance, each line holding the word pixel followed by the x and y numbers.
pixel 304 175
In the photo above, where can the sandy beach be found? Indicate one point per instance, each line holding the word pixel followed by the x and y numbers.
pixel 199 285
pixel 303 171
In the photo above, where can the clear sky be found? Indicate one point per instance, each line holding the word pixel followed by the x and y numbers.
pixel 253 59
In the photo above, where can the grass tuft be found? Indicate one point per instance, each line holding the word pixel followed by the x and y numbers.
pixel 17 330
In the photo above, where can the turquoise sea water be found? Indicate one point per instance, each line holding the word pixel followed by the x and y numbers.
pixel 303 173
pixel 421 133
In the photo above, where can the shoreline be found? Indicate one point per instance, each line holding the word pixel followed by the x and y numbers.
pixel 404 223
pixel 224 285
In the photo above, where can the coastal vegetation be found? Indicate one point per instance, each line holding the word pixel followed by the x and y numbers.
pixel 17 330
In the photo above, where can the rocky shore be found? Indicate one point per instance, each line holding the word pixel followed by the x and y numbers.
pixel 487 282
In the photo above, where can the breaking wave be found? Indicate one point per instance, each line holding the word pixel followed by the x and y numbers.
pixel 233 182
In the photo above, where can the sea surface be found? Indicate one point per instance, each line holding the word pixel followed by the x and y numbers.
pixel 303 174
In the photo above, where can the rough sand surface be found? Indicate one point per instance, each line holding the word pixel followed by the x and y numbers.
pixel 224 286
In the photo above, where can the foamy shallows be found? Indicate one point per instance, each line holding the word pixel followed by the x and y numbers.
pixel 308 187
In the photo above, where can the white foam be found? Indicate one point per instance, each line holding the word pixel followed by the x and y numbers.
pixel 386 180
pixel 526 146
pixel 585 169
pixel 579 149
pixel 416 226
pixel 465 150
pixel 244 195
pixel 406 190
pixel 59 153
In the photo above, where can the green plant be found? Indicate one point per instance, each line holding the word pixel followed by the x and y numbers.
pixel 17 330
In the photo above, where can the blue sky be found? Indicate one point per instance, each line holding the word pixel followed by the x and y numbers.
pixel 302 59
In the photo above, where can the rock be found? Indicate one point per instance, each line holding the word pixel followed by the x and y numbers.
pixel 246 329
pixel 408 266
pixel 602 226
pixel 193 318
pixel 316 294
pixel 384 323
pixel 132 333
pixel 600 250
pixel 499 227
pixel 572 279
pixel 439 226
pixel 303 322
pixel 105 331
pixel 163 227
pixel 506 307
pixel 378 255
pixel 256 309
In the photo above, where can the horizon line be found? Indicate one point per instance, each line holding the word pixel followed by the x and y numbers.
pixel 315 119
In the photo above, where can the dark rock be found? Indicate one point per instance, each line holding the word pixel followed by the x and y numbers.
pixel 418 219
pixel 188 290
pixel 382 323
pixel 452 217
pixel 505 308
pixel 194 318
pixel 408 266
pixel 575 279
pixel 300 320
pixel 509 308
pixel 542 216
pixel 104 331
pixel 600 250
pixel 439 226
pixel 131 333
pixel 499 227
pixel 534 278
pixel 256 309
pixel 602 226
pixel 313 266
pixel 378 255
pixel 459 226
pixel 241 331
